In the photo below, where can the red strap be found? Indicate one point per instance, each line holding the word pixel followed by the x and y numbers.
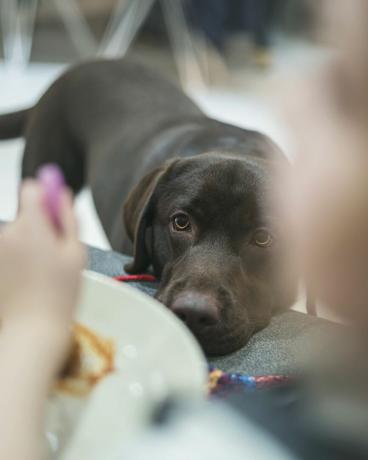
pixel 127 278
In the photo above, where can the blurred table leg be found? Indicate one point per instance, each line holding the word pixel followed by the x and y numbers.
pixel 77 27
pixel 17 22
pixel 17 17
pixel 185 53
pixel 124 25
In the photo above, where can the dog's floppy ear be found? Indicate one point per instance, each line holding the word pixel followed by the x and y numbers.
pixel 138 217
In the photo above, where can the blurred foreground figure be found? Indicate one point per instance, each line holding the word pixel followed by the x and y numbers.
pixel 329 117
pixel 328 199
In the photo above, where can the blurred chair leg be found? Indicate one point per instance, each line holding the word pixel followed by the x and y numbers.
pixel 124 25
pixel 189 66
pixel 116 18
pixel 17 22
pixel 77 27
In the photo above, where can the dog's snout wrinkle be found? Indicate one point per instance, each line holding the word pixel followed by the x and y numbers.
pixel 226 297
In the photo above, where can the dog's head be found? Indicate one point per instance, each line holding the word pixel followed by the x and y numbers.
pixel 206 226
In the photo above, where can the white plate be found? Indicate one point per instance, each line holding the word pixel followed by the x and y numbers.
pixel 156 357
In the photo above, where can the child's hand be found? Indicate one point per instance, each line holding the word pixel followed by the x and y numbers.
pixel 39 280
pixel 40 266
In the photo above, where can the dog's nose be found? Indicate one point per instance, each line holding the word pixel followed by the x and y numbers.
pixel 196 310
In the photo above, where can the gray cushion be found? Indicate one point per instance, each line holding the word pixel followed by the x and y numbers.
pixel 278 348
pixel 274 350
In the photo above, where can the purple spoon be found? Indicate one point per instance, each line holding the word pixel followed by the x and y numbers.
pixel 52 180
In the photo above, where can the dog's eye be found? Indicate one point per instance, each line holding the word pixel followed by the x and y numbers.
pixel 181 223
pixel 262 238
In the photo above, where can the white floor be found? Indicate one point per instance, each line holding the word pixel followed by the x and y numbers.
pixel 20 89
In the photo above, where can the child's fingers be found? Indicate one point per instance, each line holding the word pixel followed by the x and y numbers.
pixel 33 211
pixel 31 198
pixel 68 219
pixel 69 223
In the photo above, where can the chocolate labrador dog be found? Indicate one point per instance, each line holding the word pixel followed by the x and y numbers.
pixel 174 188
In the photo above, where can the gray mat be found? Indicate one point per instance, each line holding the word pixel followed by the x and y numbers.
pixel 274 350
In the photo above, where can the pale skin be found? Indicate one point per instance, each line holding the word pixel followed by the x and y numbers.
pixel 327 199
pixel 39 282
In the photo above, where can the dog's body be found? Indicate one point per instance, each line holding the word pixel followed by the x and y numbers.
pixel 115 124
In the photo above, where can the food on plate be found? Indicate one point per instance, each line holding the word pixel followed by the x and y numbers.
pixel 91 359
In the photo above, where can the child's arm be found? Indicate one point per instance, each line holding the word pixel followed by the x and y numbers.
pixel 39 280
